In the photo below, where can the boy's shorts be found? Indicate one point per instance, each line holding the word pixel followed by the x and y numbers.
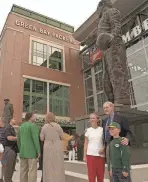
pixel 118 176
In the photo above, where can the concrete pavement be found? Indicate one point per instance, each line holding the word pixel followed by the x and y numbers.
pixel 16 176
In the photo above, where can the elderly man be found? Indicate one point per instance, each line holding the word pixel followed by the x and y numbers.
pixel 112 116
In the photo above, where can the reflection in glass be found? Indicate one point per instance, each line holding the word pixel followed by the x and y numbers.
pixel 39 47
pixel 47 56
pixel 100 99
pixel 140 88
pixel 26 85
pixel 55 59
pixel 99 82
pixel 146 40
pixel 87 73
pixel 89 87
pixel 90 105
pixel 98 66
pixel 59 99
pixel 137 64
pixel 39 104
pixel 26 104
pixel 135 47
pixel 132 94
pixel 39 54
pixel 143 108
pixel 35 96
pixel 86 60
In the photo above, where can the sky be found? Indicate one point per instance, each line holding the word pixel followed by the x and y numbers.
pixel 72 12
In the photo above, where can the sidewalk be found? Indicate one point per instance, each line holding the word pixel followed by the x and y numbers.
pixel 16 175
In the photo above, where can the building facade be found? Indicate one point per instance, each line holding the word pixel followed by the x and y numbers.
pixel 40 67
pixel 135 36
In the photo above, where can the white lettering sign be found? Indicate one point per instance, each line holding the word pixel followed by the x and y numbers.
pixel 43 31
pixel 25 25
pixel 135 31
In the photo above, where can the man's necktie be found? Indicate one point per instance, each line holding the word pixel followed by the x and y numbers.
pixel 107 134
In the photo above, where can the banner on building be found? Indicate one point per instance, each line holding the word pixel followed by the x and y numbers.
pixel 95 54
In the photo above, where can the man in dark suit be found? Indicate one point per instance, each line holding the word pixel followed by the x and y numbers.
pixel 112 116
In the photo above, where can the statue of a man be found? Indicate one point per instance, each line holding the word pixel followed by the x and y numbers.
pixel 109 40
pixel 8 111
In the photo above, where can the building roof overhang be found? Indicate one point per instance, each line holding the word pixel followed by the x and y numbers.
pixel 89 27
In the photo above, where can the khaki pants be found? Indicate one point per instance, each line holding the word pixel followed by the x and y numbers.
pixel 28 170
pixel 107 160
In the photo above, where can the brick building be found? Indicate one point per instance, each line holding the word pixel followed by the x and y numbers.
pixel 40 68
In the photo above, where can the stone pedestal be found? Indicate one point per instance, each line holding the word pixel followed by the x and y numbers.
pixel 138 121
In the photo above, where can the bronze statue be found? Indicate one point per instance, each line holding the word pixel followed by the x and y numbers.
pixel 109 40
pixel 8 112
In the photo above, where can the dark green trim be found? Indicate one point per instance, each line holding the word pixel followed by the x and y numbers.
pixel 68 125
pixel 42 18
pixel 72 126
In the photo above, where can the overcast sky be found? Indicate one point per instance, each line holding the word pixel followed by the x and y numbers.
pixel 73 12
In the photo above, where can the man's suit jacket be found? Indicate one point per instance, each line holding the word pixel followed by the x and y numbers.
pixel 125 130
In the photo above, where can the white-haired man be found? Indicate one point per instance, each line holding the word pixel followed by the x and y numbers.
pixel 112 116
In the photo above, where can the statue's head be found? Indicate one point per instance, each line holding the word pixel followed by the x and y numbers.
pixel 103 6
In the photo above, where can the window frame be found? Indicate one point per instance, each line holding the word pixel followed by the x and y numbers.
pixel 63 99
pixel 51 45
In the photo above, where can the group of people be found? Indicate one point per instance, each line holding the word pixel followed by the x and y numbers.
pixel 109 140
pixel 28 142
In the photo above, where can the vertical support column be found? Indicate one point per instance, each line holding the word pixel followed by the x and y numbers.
pixel 94 89
pixel 48 108
pixel 30 98
pixel 84 84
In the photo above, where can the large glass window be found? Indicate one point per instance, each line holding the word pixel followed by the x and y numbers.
pixel 39 54
pixel 47 56
pixel 93 79
pixel 90 104
pixel 137 57
pixel 89 91
pixel 100 99
pixel 56 59
pixel 99 76
pixel 86 60
pixel 137 64
pixel 140 88
pixel 59 99
pixel 37 95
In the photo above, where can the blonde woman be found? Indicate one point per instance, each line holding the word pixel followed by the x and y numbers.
pixel 94 150
pixel 53 156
